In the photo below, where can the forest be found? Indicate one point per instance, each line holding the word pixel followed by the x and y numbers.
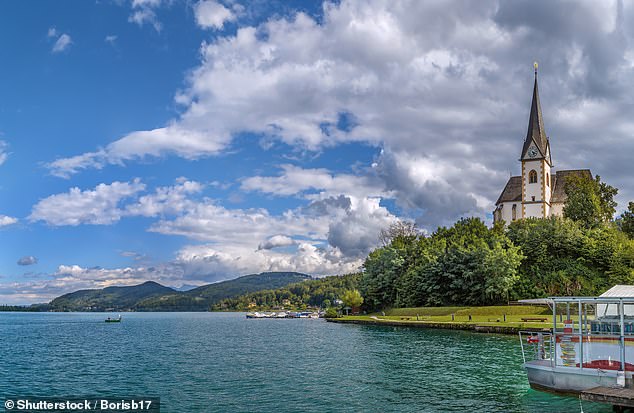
pixel 584 252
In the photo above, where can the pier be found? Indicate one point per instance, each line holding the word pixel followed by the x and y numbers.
pixel 621 398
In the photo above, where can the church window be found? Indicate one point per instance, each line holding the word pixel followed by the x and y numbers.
pixel 547 179
pixel 533 198
pixel 532 177
pixel 514 212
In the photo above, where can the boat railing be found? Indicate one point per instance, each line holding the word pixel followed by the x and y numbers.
pixel 536 345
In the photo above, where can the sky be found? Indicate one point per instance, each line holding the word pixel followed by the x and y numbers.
pixel 189 142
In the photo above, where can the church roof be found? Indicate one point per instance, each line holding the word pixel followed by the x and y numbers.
pixel 536 132
pixel 559 183
pixel 512 191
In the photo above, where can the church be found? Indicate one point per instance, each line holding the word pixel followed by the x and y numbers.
pixel 539 191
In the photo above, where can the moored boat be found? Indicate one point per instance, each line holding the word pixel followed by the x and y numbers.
pixel 594 348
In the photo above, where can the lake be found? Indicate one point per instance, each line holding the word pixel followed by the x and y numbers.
pixel 221 362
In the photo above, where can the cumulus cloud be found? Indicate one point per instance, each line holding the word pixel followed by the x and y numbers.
pixel 63 42
pixel 443 89
pixel 108 203
pixel 276 241
pixel 212 15
pixel 356 233
pixel 7 220
pixel 213 263
pixel 165 200
pixel 27 260
pixel 98 207
pixel 295 180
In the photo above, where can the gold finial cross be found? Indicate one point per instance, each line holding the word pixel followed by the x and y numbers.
pixel 535 66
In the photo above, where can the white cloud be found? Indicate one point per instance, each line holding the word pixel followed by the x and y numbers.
pixel 297 181
pixel 27 260
pixel 212 15
pixel 62 43
pixel 443 88
pixel 69 278
pixel 3 152
pixel 276 241
pixel 210 262
pixel 111 39
pixel 98 207
pixel 7 220
pixel 52 32
pixel 165 200
pixel 143 12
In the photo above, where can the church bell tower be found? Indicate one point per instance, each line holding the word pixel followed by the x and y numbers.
pixel 536 164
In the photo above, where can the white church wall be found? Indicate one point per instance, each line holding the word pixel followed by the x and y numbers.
pixel 535 189
pixel 533 211
pixel 507 211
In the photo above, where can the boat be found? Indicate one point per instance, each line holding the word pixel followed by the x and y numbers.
pixel 255 315
pixel 113 320
pixel 594 348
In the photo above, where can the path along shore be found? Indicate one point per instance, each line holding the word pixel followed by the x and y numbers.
pixel 479 328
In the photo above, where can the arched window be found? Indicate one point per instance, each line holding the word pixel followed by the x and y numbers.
pixel 547 179
pixel 532 177
pixel 514 212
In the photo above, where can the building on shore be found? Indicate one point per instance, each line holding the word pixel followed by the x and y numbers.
pixel 539 191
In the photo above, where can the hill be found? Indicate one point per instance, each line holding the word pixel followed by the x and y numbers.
pixel 152 296
pixel 110 297
pixel 320 292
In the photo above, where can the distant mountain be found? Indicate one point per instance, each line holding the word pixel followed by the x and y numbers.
pixel 202 298
pixel 151 296
pixel 119 298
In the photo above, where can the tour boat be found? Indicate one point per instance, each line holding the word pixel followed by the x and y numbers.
pixel 594 348
pixel 113 320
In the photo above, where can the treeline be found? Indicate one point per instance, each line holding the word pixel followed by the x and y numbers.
pixel 322 292
pixel 23 308
pixel 470 264
pixel 583 253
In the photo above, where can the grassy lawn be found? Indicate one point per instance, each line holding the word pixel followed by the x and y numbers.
pixel 491 315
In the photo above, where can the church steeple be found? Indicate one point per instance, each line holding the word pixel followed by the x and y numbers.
pixel 536 135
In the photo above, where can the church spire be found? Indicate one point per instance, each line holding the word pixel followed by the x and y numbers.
pixel 536 134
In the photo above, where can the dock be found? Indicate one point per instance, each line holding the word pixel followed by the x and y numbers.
pixel 620 398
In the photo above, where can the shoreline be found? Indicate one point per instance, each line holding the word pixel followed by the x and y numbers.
pixel 490 329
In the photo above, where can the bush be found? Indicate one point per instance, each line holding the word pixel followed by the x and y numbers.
pixel 331 312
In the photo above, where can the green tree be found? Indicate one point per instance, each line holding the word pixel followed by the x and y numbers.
pixel 352 298
pixel 589 200
pixel 627 221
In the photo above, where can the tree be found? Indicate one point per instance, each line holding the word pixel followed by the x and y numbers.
pixel 399 230
pixel 352 298
pixel 627 221
pixel 589 201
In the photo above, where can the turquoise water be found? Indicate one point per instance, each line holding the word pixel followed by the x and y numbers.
pixel 222 362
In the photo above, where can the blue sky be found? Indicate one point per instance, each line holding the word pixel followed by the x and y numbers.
pixel 190 142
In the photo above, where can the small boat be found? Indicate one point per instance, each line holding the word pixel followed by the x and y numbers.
pixel 255 315
pixel 113 320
